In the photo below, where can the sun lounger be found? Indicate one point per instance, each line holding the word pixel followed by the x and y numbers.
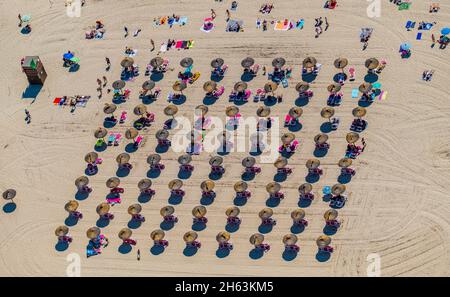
pixel 355 93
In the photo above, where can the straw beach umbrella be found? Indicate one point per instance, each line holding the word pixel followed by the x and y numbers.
pixel 330 215
pixel 327 112
pixel 148 85
pixel 340 63
pixel 175 184
pixel 302 87
pixel 199 211
pixel 216 161
pixel 61 231
pixel 134 209
pixel 359 112
pixel 273 187
pixel 257 239
pixel 157 234
pixel 162 134
pixel 338 189
pixel 140 109
pixel 109 108
pixel 290 239
pixel 240 86
pixel 127 62
pixel 240 186
pixel 186 62
pixel 323 241
pixel 365 87
pixel 280 162
pixel 305 188
pixel 278 62
pixel 153 159
pixel 298 214
pixel 287 137
pixel 321 138
pixel 103 208
pixel 91 157
pixel 81 181
pixel 270 87
pixel 93 232
pixel 333 88
pixel 184 159
pixel 352 137
pixel 118 84
pixel 217 62
pixel 263 111
pixel 223 236
pixel 113 182
pixel 232 212
pixel 125 233
pixel 345 162
pixel 71 206
pixel 122 158
pixel 231 111
pixel 190 236
pixel 312 163
pixel 309 62
pixel 156 62
pixel 295 112
pixel 100 132
pixel 209 86
pixel 131 133
pixel 247 62
pixel 207 185
pixel 179 86
pixel 265 213
pixel 170 110
pixel 248 162
pixel 144 184
pixel 372 63
pixel 167 211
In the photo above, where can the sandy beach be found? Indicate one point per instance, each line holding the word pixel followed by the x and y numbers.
pixel 398 201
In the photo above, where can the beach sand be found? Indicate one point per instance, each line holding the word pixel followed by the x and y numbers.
pixel 398 201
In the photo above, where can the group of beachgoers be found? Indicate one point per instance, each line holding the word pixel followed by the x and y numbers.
pixel 96 31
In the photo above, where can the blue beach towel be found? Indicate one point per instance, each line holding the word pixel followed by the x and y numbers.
pixel 419 36
pixel 355 93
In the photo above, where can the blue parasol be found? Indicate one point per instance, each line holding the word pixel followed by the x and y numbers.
pixel 68 56
pixel 445 31
pixel 405 46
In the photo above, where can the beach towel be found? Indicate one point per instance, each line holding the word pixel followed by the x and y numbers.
pixel 300 24
pixel 182 21
pixel 355 93
pixel 283 25
pixel 383 95
pixel 419 36
pixel 163 47
pixel 404 6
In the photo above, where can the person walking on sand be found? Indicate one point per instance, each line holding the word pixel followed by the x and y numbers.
pixel 126 31
pixel 138 254
pixel 153 45
pixel 99 83
pixel 213 14
pixel 433 40
pixel 27 116
pixel 228 15
pixel 105 81
pixel 20 20
pixel 108 64
pixel 326 24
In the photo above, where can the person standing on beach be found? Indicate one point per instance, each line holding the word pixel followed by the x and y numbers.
pixel 326 24
pixel 105 81
pixel 433 40
pixel 153 45
pixel 126 31
pixel 138 254
pixel 108 64
pixel 213 14
pixel 228 15
pixel 20 20
pixel 27 116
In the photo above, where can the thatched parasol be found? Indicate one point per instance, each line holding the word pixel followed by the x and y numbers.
pixel 263 111
pixel 71 206
pixel 312 163
pixel 109 108
pixel 327 112
pixel 201 109
pixel 340 63
pixel 131 133
pixel 81 181
pixel 179 86
pixel 287 137
pixel 257 239
pixel 298 214
pixel 127 62
pixel 290 239
pixel 175 184
pixel 113 182
pixel 280 162
pixel 153 159
pixel 157 235
pixel 148 85
pixel 265 213
pixel 333 88
pixel 273 187
pixel 186 62
pixel 330 215
pixel 103 208
pixel 209 86
pixel 321 138
pixel 240 186
pixel 93 232
pixel 338 189
pixel 162 134
pixel 216 161
pixel 231 111
pixel 278 62
pixel 100 132
pixel 305 188
pixel 61 231
pixel 199 211
pixel 372 63
pixel 232 212
pixel 156 62
pixel 223 237
pixel 190 236
pixel 359 112
pixel 9 194
pixel 122 158
pixel 270 87
pixel 247 62
pixel 144 184
pixel 352 137
pixel 118 84
pixel 217 62
pixel 134 209
pixel 170 110
pixel 302 87
pixel 184 159
pixel 345 162
pixel 365 87
pixel 248 161
pixel 309 62
pixel 91 157
pixel 207 185
pixel 295 112
pixel 140 109
pixel 323 241
pixel 167 211
pixel 125 233
pixel 240 86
